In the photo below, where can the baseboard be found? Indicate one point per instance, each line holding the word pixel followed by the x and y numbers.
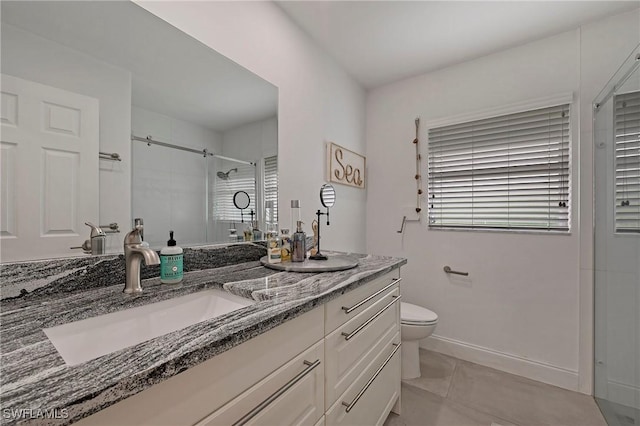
pixel 623 394
pixel 535 370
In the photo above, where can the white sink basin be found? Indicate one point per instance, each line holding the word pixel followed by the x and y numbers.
pixel 84 340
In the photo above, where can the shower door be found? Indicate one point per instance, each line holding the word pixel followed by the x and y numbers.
pixel 617 246
pixel 169 192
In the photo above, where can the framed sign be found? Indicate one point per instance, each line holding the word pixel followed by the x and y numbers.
pixel 345 166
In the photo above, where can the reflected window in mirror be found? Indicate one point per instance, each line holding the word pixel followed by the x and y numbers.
pixel 271 189
pixel 230 178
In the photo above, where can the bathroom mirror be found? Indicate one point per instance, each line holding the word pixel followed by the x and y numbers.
pixel 327 195
pixel 150 121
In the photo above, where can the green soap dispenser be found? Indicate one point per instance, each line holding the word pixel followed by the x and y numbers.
pixel 171 258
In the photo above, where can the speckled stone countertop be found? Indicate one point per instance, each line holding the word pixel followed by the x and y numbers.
pixel 36 379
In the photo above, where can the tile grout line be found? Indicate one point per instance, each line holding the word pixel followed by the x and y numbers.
pixel 453 375
pixel 471 407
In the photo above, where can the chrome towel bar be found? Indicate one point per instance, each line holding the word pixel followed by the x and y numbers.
pixel 113 156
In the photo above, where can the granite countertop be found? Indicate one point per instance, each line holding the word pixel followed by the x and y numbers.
pixel 36 379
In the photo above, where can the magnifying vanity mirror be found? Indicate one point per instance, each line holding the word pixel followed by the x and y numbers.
pixel 140 120
pixel 242 200
pixel 328 200
pixel 327 196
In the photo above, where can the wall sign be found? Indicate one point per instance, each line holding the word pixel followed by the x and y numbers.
pixel 346 167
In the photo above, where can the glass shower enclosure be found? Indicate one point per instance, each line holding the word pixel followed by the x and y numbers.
pixel 617 245
pixel 190 192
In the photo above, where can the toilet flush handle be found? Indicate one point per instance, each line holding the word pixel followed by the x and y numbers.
pixel 448 270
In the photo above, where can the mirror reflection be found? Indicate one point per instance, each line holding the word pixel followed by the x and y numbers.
pixel 327 195
pixel 241 200
pixel 140 120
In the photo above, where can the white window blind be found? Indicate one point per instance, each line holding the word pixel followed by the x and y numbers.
pixel 627 148
pixel 271 188
pixel 242 180
pixel 506 172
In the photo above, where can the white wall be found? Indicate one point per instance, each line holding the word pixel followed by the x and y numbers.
pixel 523 307
pixel 169 185
pixel 37 59
pixel 318 101
pixel 252 141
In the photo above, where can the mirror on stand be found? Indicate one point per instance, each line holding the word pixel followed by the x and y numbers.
pixel 328 200
pixel 242 200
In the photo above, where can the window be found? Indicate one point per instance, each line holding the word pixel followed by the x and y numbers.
pixel 627 158
pixel 271 188
pixel 506 172
pixel 242 179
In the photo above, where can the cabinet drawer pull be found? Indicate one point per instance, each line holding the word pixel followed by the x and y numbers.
pixel 348 336
pixel 264 404
pixel 362 302
pixel 366 386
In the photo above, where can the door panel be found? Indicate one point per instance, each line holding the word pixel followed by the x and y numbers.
pixel 49 170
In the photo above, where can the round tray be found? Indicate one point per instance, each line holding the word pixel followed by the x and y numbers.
pixel 332 264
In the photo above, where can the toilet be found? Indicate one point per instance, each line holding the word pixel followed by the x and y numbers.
pixel 416 323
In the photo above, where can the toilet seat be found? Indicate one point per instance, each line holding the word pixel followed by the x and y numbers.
pixel 411 314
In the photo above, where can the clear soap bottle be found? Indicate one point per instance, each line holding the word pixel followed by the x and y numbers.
pixel 285 245
pixel 299 244
pixel 296 215
pixel 274 254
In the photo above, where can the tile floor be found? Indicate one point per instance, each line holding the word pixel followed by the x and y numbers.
pixel 452 392
pixel 619 415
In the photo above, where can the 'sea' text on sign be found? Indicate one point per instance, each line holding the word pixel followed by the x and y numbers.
pixel 346 167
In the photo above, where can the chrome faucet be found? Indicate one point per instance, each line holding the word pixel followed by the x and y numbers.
pixel 134 252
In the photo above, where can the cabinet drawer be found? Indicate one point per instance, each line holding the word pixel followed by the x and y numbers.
pixel 347 306
pixel 291 395
pixel 370 333
pixel 372 395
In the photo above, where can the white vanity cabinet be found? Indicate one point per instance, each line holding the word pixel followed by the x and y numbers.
pixel 362 371
pixel 338 364
pixel 292 395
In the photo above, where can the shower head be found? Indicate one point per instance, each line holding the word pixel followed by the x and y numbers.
pixel 225 176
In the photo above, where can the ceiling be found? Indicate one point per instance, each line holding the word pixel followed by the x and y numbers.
pixel 378 42
pixel 172 73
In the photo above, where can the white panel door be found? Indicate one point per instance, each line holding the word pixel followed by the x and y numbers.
pixel 49 169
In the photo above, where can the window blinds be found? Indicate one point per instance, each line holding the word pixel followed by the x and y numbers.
pixel 271 188
pixel 242 180
pixel 506 172
pixel 627 162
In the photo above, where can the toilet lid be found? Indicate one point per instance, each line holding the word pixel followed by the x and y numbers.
pixel 413 314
